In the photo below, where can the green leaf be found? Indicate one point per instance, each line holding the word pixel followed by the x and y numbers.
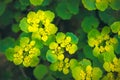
pixel 2 8
pixel 89 23
pixel 51 57
pixel 114 4
pixel 76 73
pixel 107 16
pixel 117 48
pixel 88 52
pixel 24 34
pixel 6 43
pixel 89 4
pixel 34 62
pixel 101 5
pixel 60 37
pixel 51 38
pixel 38 43
pixel 115 27
pixel 9 54
pixel 94 33
pixel 24 25
pixel 49 77
pixel 24 41
pixel 106 66
pixel 73 6
pixel 62 11
pixel 46 2
pixel 108 56
pixel 97 73
pixel 54 66
pixel 105 30
pixel 15 28
pixel 73 63
pixel 40 71
pixel 24 2
pixel 36 2
pixel 74 38
pixel 96 51
pixel 84 63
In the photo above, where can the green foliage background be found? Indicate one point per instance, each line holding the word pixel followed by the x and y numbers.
pixel 92 25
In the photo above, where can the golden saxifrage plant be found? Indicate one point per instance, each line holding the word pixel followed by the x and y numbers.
pixel 90 52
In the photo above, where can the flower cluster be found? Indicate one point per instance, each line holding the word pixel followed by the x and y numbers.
pixel 112 68
pixel 101 42
pixel 64 42
pixel 101 5
pixel 62 65
pixel 26 53
pixel 84 71
pixel 39 24
pixel 111 76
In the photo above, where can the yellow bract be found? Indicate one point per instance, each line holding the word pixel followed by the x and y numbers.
pixel 60 57
pixel 82 75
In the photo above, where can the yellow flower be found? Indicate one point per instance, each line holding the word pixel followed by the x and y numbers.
pixel 66 60
pixel 33 28
pixel 17 61
pixel 102 49
pixel 60 57
pixel 88 72
pixel 82 74
pixel 68 39
pixel 41 15
pixel 44 38
pixel 65 70
pixel 26 61
pixel 73 49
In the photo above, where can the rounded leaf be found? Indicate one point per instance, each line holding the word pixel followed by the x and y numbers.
pixel 40 71
pixel 60 37
pixel 105 30
pixel 9 54
pixel 84 63
pixel 97 73
pixel 114 4
pixel 36 2
pixel 115 27
pixel 34 61
pixel 54 66
pixel 94 33
pixel 74 38
pixel 62 11
pixel 24 25
pixel 89 23
pixel 51 57
pixel 101 5
pixel 73 63
pixel 73 6
pixel 89 4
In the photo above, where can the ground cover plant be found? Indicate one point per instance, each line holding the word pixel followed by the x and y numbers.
pixel 60 40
